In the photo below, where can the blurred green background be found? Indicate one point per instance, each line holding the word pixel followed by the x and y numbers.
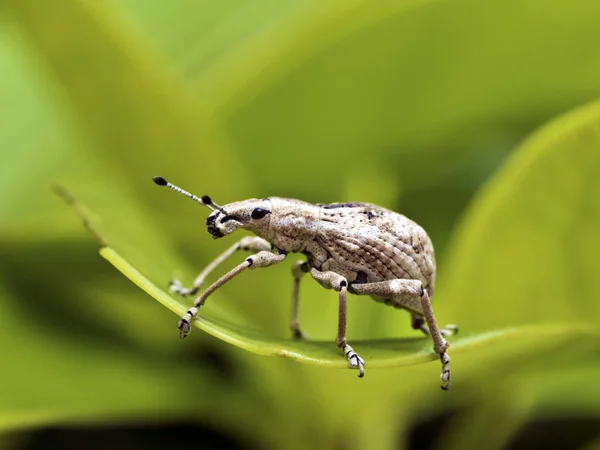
pixel 479 120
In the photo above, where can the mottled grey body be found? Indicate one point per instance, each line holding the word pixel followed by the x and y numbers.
pixel 359 248
pixel 364 243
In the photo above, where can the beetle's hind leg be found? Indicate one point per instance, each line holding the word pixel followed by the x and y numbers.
pixel 418 323
pixel 411 295
pixel 250 243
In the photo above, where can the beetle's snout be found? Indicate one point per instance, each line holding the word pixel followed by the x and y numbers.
pixel 212 227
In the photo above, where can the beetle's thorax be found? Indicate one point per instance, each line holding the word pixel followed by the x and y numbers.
pixel 294 223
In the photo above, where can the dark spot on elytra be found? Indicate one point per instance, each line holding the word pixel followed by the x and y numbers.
pixel 344 205
pixel 369 214
pixel 417 247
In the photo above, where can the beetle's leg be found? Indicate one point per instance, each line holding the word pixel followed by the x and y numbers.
pixel 411 295
pixel 298 271
pixel 418 323
pixel 260 259
pixel 249 243
pixel 332 280
pixel 440 345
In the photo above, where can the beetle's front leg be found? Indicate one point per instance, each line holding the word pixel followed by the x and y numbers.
pixel 248 243
pixel 260 259
pixel 332 280
pixel 411 295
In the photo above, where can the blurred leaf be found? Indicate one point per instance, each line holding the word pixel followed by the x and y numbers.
pixel 48 379
pixel 407 80
pixel 197 35
pixel 35 143
pixel 527 250
pixel 490 424
pixel 526 253
pixel 133 108
pixel 594 445
pixel 495 415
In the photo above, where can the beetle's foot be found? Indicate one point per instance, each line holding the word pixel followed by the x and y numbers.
pixel 297 334
pixel 449 330
pixel 184 328
pixel 446 380
pixel 356 362
pixel 176 287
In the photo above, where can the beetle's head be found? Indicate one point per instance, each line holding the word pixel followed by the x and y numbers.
pixel 253 215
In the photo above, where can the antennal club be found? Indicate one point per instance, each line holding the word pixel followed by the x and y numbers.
pixel 204 200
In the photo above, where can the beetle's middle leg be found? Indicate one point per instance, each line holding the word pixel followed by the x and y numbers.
pixel 250 243
pixel 299 269
pixel 332 280
pixel 411 295
pixel 418 323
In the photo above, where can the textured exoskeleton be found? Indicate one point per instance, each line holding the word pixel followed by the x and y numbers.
pixel 359 248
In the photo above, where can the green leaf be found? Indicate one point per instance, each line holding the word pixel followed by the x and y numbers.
pixel 213 320
pixel 48 378
pixel 494 416
pixel 404 79
pixel 313 105
pixel 121 95
pixel 526 253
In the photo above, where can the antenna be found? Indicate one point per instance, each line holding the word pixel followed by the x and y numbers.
pixel 205 200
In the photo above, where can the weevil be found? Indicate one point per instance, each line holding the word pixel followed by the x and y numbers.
pixel 356 248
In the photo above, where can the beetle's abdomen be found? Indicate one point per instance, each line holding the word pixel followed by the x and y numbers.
pixel 367 243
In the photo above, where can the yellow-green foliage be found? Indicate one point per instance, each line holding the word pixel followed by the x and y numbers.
pixel 421 106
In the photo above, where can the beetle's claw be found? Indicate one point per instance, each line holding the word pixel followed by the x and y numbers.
pixel 184 328
pixel 356 362
pixel 445 377
pixel 361 369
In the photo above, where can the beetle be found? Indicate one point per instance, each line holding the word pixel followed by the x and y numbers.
pixel 352 247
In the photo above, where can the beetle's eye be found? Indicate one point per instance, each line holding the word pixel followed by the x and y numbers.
pixel 259 213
